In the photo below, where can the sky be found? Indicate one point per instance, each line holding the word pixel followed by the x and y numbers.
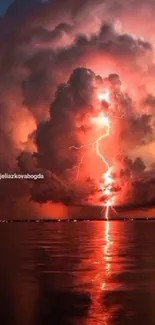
pixel 78 107
pixel 4 4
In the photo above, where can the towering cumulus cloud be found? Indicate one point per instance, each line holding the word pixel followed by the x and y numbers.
pixel 72 72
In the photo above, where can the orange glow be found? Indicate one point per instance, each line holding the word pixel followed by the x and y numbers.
pixel 57 210
pixel 104 96
pixel 101 120
pixel 24 126
pixel 27 209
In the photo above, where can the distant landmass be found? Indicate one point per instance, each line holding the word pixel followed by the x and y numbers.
pixel 77 220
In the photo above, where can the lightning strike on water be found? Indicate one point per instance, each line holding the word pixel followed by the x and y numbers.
pixel 107 180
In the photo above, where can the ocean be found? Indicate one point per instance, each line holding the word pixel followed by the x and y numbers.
pixel 77 273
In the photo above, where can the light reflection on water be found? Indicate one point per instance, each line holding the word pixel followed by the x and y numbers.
pixel 101 282
pixel 84 273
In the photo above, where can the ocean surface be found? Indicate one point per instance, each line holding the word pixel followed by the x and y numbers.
pixel 83 273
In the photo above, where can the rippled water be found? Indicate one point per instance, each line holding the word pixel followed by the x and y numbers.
pixel 86 273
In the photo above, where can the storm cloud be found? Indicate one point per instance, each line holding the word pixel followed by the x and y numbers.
pixel 52 63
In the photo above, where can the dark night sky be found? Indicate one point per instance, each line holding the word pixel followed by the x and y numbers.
pixel 4 4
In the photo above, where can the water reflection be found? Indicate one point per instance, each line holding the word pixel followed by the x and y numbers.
pixel 77 273
pixel 101 282
pixel 107 248
pixel 107 255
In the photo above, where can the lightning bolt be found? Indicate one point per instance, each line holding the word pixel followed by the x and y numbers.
pixel 107 180
pixel 106 185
